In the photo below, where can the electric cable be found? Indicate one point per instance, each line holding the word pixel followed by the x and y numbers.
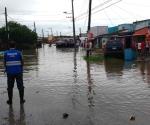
pixel 132 14
pixel 108 18
pixel 106 7
pixel 102 4
pixel 101 9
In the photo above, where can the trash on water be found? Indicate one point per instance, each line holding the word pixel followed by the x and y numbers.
pixel 132 118
pixel 65 115
pixel 37 91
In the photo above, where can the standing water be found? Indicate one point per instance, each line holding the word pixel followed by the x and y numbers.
pixel 59 81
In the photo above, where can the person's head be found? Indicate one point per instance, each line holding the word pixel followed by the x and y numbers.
pixel 12 44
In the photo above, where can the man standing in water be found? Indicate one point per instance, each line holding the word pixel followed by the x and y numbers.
pixel 13 63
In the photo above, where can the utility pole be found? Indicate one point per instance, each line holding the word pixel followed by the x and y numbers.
pixel 89 27
pixel 73 21
pixel 80 31
pixel 57 33
pixel 6 24
pixel 42 34
pixel 89 20
pixel 51 32
pixel 48 33
pixel 34 27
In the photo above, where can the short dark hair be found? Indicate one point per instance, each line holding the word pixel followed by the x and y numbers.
pixel 12 44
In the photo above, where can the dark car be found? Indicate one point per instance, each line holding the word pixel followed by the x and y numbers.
pixel 114 48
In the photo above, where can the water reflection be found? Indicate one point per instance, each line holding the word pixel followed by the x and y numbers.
pixel 30 60
pixel 68 50
pixel 67 83
pixel 129 65
pixel 148 73
pixel 75 75
pixel 114 67
pixel 144 68
pixel 75 60
pixel 2 70
pixel 11 117
pixel 91 92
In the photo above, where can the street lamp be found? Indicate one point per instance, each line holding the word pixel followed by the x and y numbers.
pixel 65 12
pixel 51 31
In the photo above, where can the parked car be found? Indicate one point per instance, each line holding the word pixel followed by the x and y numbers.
pixel 61 43
pixel 114 48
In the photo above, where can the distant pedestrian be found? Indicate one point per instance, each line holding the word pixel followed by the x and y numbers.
pixel 147 48
pixel 139 48
pixel 13 63
pixel 88 48
pixel 143 48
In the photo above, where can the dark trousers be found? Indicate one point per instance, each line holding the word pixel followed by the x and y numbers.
pixel 88 52
pixel 11 78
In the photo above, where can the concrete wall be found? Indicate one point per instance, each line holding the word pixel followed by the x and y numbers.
pixel 99 30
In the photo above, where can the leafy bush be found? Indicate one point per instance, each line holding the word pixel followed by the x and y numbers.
pixel 19 33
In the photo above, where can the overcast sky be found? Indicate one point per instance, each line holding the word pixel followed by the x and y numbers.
pixel 49 14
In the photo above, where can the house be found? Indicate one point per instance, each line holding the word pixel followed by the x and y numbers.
pixel 122 32
pixel 142 35
pixel 125 28
pixel 98 31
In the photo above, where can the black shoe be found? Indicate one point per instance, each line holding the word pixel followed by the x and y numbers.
pixel 9 102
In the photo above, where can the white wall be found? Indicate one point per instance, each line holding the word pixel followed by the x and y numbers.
pixel 99 30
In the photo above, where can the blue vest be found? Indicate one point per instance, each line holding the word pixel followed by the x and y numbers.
pixel 12 60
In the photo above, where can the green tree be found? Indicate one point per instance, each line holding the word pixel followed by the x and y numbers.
pixel 24 37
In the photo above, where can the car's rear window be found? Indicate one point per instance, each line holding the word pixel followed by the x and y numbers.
pixel 114 43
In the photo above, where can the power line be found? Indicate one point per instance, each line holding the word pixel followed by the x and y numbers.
pixel 136 4
pixel 82 5
pixel 101 9
pixel 107 7
pixel 18 20
pixel 21 20
pixel 122 18
pixel 85 21
pixel 130 13
pixel 25 14
pixel 11 18
pixel 102 4
pixel 108 17
pixel 106 2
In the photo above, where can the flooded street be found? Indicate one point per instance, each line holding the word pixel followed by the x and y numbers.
pixel 59 81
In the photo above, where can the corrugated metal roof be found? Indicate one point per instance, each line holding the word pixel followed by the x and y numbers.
pixel 143 31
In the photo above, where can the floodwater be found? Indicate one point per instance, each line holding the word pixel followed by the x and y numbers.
pixel 59 81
